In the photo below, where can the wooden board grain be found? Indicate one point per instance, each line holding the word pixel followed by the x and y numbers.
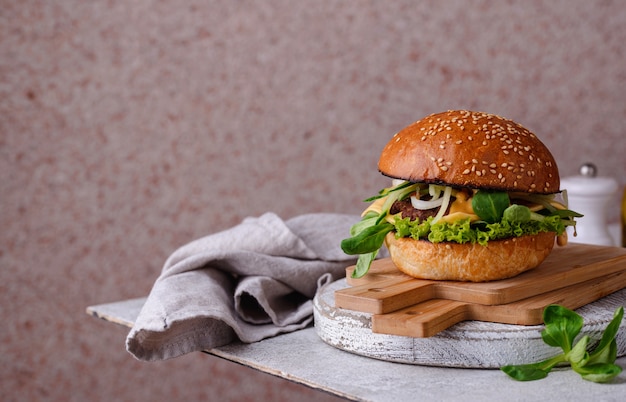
pixel 385 289
pixel 435 315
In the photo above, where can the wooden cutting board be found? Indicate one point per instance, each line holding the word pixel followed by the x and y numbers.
pixel 385 289
pixel 571 276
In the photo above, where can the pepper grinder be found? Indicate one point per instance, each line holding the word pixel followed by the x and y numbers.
pixel 589 195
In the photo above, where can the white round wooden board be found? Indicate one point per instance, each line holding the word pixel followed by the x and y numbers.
pixel 470 344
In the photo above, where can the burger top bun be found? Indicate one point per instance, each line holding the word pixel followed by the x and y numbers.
pixel 471 149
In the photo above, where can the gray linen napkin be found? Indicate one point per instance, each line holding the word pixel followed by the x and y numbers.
pixel 250 282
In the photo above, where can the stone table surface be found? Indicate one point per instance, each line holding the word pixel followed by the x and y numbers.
pixel 302 357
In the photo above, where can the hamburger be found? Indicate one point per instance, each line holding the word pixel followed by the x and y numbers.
pixel 473 197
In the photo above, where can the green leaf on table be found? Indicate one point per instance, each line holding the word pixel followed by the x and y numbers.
pixel 606 351
pixel 561 328
pixel 533 371
pixel 599 372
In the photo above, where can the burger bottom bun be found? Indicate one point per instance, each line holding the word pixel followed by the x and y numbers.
pixel 500 259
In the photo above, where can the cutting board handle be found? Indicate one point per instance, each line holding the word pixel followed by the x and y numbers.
pixel 422 320
pixel 384 296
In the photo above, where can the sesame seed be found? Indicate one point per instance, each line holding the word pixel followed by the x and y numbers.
pixel 444 168
pixel 466 171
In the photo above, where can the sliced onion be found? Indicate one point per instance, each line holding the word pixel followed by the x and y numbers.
pixel 423 204
pixel 444 205
pixel 434 191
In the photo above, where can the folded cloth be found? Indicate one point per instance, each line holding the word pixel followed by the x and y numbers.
pixel 250 282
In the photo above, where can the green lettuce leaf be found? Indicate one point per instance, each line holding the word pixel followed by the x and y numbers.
pixel 462 232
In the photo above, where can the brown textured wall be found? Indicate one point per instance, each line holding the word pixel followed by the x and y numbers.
pixel 128 128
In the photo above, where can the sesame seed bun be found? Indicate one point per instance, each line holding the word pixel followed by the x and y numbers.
pixel 471 149
pixel 500 259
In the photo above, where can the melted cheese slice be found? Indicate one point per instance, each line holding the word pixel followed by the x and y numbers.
pixel 461 208
pixel 376 206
